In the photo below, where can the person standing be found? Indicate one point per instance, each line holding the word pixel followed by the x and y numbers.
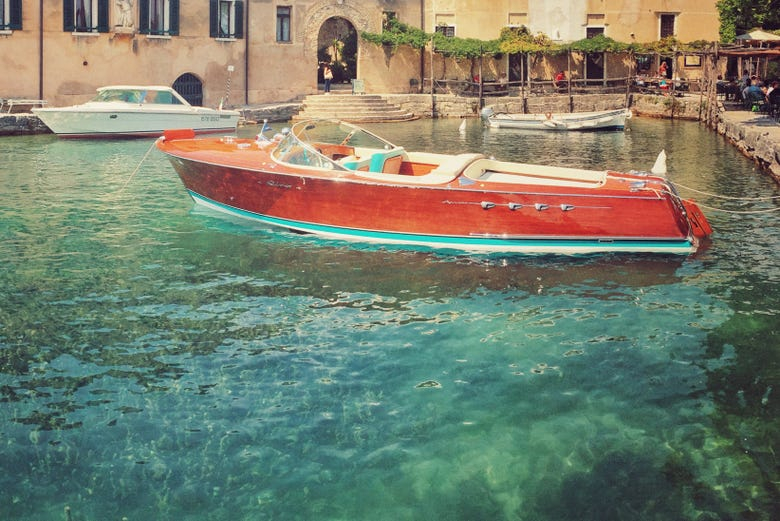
pixel 560 80
pixel 327 75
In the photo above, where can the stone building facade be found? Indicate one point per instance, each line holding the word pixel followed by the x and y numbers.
pixel 256 51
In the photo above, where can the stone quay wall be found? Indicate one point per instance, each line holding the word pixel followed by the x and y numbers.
pixel 20 124
pixel 757 136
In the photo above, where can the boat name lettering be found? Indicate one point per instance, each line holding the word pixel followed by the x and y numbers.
pixel 277 185
pixel 447 201
pixel 209 118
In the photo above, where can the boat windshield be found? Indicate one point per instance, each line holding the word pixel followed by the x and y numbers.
pixel 336 132
pixel 158 97
pixel 304 143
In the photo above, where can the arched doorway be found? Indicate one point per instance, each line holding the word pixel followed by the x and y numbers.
pixel 190 87
pixel 337 45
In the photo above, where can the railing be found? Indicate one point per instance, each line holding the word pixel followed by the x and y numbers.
pixel 11 105
pixel 541 87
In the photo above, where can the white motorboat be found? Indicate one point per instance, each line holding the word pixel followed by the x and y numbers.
pixel 597 120
pixel 135 111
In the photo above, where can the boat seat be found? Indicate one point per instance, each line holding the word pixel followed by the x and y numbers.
pixel 454 165
pixel 353 163
pixel 388 162
pixel 448 169
pixel 493 171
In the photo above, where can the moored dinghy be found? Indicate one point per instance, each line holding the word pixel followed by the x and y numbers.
pixel 339 180
pixel 583 121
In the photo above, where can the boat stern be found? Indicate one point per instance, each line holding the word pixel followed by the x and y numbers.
pixel 700 227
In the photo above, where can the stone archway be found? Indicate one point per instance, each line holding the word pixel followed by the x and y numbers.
pixel 337 45
pixel 320 12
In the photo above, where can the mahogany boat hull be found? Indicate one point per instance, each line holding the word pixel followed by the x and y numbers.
pixel 463 213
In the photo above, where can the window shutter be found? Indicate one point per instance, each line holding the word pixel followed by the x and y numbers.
pixel 143 16
pixel 68 23
pixel 102 22
pixel 214 18
pixel 174 26
pixel 239 19
pixel 15 21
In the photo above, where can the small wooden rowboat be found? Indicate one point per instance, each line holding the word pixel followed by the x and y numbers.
pixel 583 121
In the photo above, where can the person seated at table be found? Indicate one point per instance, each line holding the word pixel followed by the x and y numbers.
pixel 773 97
pixel 721 85
pixel 754 97
pixel 749 82
pixel 664 86
pixel 732 89
pixel 772 88
pixel 744 80
pixel 560 80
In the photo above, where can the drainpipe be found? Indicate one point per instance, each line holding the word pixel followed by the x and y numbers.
pixel 246 53
pixel 422 51
pixel 40 49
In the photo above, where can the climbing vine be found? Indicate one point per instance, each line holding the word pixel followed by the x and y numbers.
pixel 398 33
pixel 515 40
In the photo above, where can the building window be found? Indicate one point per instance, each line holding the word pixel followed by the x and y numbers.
pixel 226 18
pixel 445 24
pixel 158 17
pixel 283 17
pixel 387 17
pixel 10 14
pixel 667 25
pixel 446 30
pixel 592 32
pixel 85 16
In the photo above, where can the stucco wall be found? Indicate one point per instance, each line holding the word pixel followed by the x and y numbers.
pixel 68 67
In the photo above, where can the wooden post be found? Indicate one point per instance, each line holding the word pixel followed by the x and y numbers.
pixel 433 97
pixel 631 74
pixel 568 80
pixel 528 79
pixel 481 79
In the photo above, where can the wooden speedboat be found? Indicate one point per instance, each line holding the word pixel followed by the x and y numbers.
pixel 582 121
pixel 134 111
pixel 341 181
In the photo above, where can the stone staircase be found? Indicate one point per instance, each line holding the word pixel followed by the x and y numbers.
pixel 358 108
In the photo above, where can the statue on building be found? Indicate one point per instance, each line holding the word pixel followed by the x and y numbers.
pixel 125 16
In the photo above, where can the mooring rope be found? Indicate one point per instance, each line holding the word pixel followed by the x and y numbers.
pixel 138 167
pixel 769 198
pixel 724 210
pixel 739 212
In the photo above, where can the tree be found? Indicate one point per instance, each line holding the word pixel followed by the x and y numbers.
pixel 739 16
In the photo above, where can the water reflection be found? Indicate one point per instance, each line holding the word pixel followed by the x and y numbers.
pixel 161 362
pixel 407 274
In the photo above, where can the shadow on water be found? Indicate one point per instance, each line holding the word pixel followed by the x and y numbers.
pixel 330 267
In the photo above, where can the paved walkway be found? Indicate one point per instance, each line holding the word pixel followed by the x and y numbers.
pixel 753 119
pixel 756 135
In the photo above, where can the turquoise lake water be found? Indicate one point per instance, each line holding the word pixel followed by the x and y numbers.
pixel 161 362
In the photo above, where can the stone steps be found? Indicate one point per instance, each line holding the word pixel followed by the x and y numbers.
pixel 363 108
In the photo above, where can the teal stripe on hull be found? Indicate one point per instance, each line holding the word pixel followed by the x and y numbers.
pixel 467 244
